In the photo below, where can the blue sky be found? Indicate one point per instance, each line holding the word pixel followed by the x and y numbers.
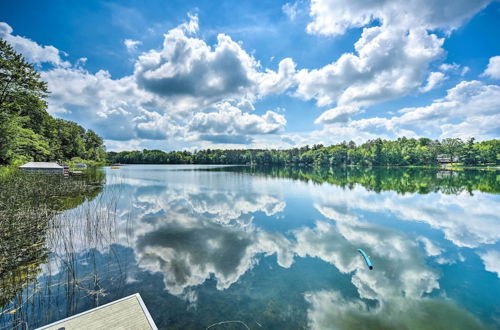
pixel 191 75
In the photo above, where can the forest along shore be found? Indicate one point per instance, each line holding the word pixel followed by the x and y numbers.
pixel 378 152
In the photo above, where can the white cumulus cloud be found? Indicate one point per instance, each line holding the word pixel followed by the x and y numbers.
pixel 33 52
pixel 229 123
pixel 470 109
pixel 340 114
pixel 391 58
pixel 434 79
pixel 187 91
pixel 493 69
pixel 131 45
pixel 389 63
pixel 331 17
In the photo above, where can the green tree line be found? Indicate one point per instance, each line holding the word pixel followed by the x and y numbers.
pixel 401 180
pixel 378 152
pixel 27 131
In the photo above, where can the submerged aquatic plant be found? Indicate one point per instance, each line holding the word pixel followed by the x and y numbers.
pixel 28 203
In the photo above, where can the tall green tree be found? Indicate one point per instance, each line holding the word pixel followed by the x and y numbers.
pixel 452 147
pixel 469 153
pixel 21 95
pixel 94 147
pixel 19 144
pixel 27 131
pixel 19 81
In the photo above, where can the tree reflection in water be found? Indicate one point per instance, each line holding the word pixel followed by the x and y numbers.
pixel 378 179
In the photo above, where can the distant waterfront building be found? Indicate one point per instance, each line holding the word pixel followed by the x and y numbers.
pixel 446 159
pixel 43 167
pixel 81 165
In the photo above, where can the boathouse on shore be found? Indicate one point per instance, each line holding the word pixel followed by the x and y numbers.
pixel 45 167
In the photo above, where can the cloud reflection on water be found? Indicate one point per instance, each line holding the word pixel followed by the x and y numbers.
pixel 190 234
pixel 194 235
pixel 467 221
pixel 330 310
pixel 190 230
pixel 398 285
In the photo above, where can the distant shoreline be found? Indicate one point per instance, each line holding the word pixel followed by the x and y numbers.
pixel 437 167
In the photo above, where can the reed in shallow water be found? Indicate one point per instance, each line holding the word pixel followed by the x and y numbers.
pixel 27 204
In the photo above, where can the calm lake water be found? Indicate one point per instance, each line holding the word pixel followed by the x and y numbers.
pixel 277 249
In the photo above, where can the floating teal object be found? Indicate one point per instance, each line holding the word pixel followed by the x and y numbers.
pixel 367 259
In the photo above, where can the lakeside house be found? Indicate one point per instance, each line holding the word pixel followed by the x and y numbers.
pixel 81 165
pixel 46 167
pixel 447 159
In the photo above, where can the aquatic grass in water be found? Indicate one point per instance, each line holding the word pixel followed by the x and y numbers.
pixel 28 202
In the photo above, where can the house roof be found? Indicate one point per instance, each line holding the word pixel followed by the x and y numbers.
pixel 42 165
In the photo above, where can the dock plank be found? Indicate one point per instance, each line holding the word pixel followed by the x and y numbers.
pixel 126 313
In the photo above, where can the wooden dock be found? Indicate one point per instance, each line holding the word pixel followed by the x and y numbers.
pixel 126 313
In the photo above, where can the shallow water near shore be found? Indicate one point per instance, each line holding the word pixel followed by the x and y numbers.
pixel 276 248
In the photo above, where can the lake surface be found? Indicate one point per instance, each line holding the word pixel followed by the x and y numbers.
pixel 277 249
